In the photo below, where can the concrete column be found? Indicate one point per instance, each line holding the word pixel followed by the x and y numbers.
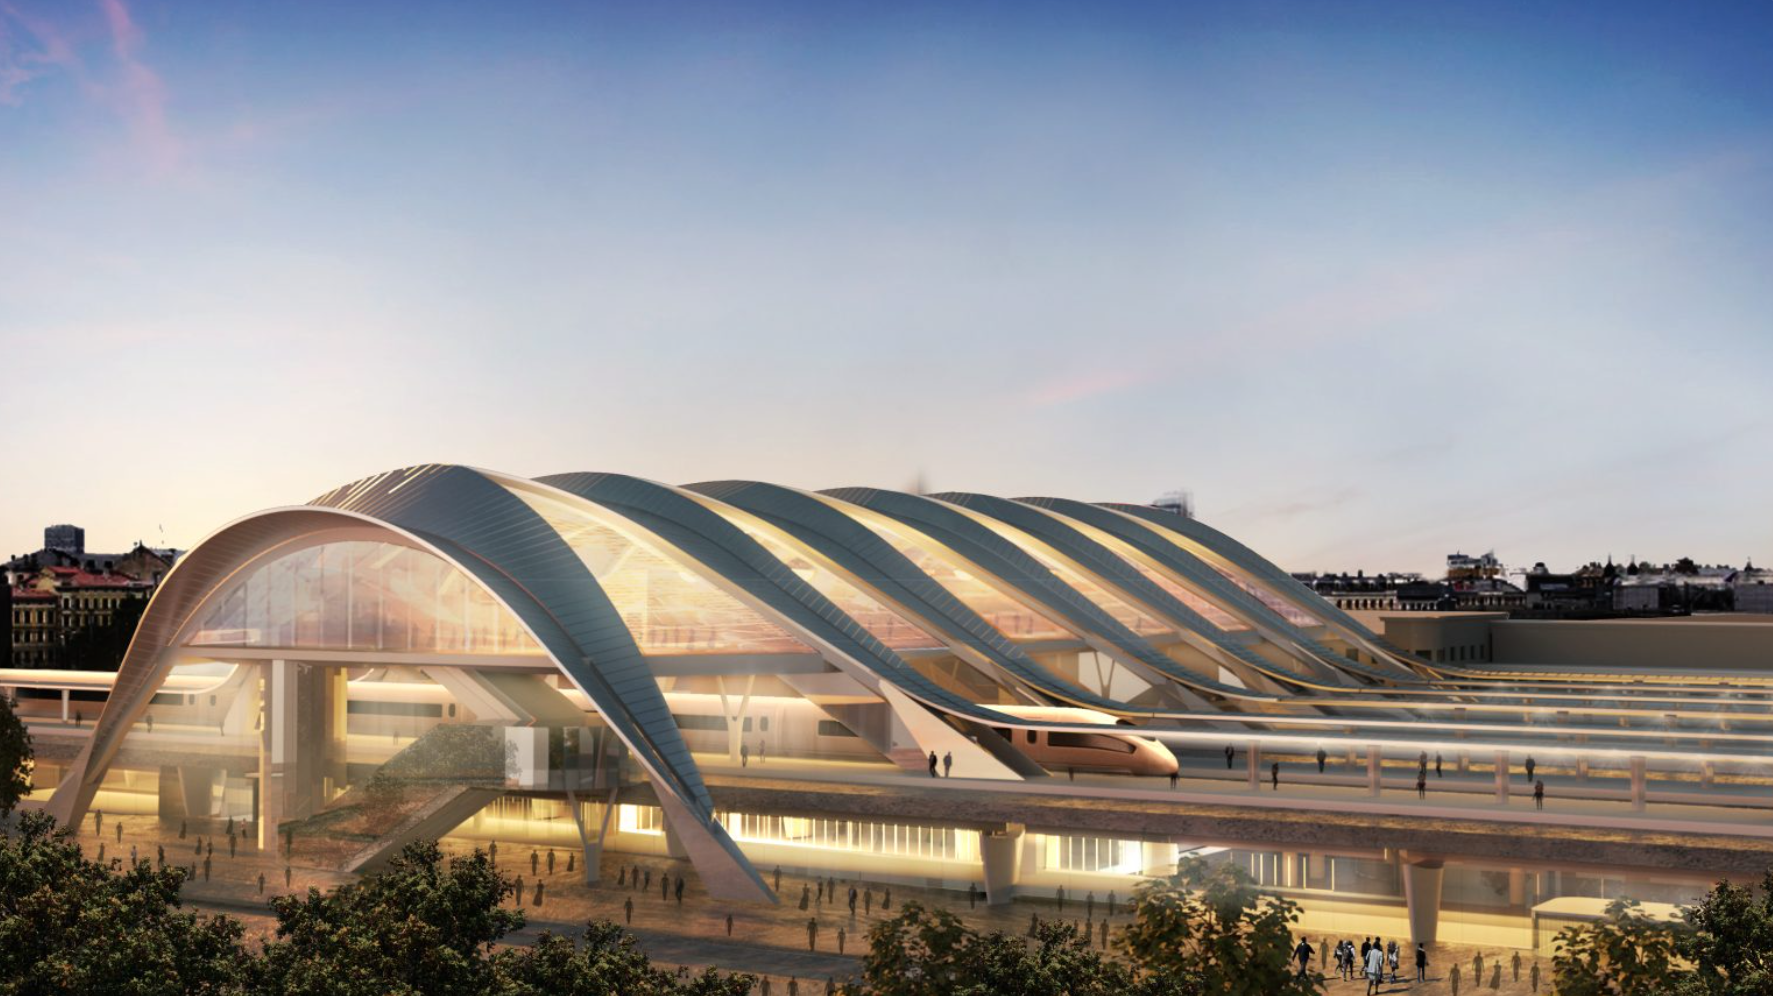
pixel 64 705
pixel 674 843
pixel 1001 853
pixel 1517 887
pixel 1374 769
pixel 295 740
pixel 1638 787
pixel 1253 757
pixel 1422 893
pixel 1502 777
pixel 1158 858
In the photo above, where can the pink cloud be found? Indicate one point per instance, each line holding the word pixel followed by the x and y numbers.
pixel 1078 386
pixel 140 95
pixel 29 48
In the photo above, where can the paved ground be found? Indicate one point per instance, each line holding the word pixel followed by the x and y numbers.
pixel 771 941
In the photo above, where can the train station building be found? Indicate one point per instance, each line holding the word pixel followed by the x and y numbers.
pixel 947 690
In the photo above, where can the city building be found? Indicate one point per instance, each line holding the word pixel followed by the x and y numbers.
pixel 61 595
pixel 950 690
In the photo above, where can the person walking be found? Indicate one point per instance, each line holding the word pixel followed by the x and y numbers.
pixel 1477 968
pixel 1515 967
pixel 1175 777
pixel 1421 963
pixel 535 862
pixel 812 934
pixel 778 878
pixel 841 935
pixel 934 760
pixel 1437 764
pixel 232 842
pixel 947 763
pixel 867 902
pixel 1533 976
pixel 1496 975
pixel 1530 765
pixel 1090 905
pixel 261 883
pixel 550 861
pixel 665 886
pixel 1061 896
pixel 972 899
pixel 519 894
pixel 729 925
pixel 1375 969
pixel 1105 933
pixel 806 893
pixel 1453 980
pixel 288 873
pixel 1302 951
pixel 744 755
pixel 1323 756
pixel 886 900
pixel 1421 785
pixel 1230 756
pixel 1110 902
pixel 1391 958
pixel 1274 775
pixel 677 890
pixel 1539 795
pixel 628 910
pixel 538 899
pixel 760 746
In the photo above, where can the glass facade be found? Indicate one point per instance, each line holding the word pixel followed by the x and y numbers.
pixel 1009 616
pixel 361 596
pixel 668 607
pixel 882 623
pixel 1187 596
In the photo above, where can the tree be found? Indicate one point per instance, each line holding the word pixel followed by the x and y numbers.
pixel 416 929
pixel 16 755
pixel 929 952
pixel 69 925
pixel 1208 923
pixel 1626 953
pixel 605 961
pixel 1730 947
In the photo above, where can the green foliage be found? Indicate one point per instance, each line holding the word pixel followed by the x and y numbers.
pixel 929 952
pixel 69 925
pixel 15 758
pixel 605 960
pixel 1209 924
pixel 1627 953
pixel 1729 947
pixel 417 929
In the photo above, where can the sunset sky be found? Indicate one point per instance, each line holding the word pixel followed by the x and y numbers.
pixel 1374 281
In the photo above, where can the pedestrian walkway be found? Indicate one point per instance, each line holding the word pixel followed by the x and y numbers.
pixel 764 939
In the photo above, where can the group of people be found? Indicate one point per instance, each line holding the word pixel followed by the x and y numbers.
pixel 1375 961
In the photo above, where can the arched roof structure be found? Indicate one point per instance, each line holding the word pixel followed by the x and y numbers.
pixel 542 552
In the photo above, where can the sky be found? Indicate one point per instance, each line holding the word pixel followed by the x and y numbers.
pixel 1374 282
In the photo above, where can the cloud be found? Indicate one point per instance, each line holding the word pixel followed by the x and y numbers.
pixel 139 94
pixel 29 49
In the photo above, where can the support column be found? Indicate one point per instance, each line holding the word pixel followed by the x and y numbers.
pixel 295 741
pixel 1638 784
pixel 1517 887
pixel 1001 853
pixel 64 705
pixel 1158 858
pixel 1422 893
pixel 1375 757
pixel 1253 758
pixel 1502 777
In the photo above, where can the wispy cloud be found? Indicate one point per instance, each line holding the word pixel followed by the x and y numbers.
pixel 138 93
pixel 30 48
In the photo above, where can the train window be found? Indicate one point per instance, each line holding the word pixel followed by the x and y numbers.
pixel 212 700
pixel 1033 735
pixel 452 710
pixel 765 724
pixel 1090 741
pixel 370 707
pixel 1006 734
pixel 829 728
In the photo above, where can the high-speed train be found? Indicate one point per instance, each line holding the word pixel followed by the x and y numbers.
pixel 381 703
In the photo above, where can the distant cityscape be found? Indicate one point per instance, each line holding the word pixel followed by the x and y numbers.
pixel 1596 590
pixel 68 607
